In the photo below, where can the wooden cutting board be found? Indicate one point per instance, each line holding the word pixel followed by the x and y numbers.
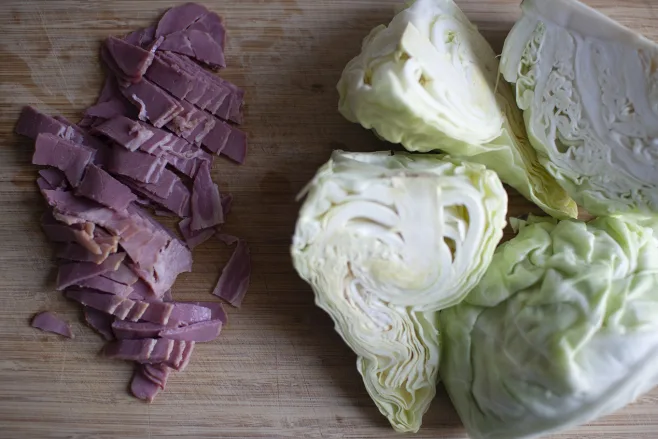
pixel 279 369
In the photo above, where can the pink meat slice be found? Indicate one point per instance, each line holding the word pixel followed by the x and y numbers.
pixel 136 165
pixel 177 202
pixel 99 322
pixel 145 246
pixel 236 146
pixel 123 308
pixel 158 373
pixel 179 18
pixel 49 322
pixel 187 313
pixel 118 106
pixel 125 132
pixel 142 387
pixel 217 311
pixel 234 280
pixel 136 330
pixel 72 251
pixel 171 78
pixel 185 123
pixel 228 140
pixel 32 122
pixel 214 25
pixel 154 104
pixel 123 275
pixel 142 291
pixel 54 177
pixel 194 238
pixel 101 187
pixel 165 185
pixel 132 60
pixel 82 234
pixel 206 202
pixel 141 37
pixel 74 272
pixel 70 158
pixel 176 258
pixel 197 332
pixel 171 353
pixel 195 43
pixel 106 285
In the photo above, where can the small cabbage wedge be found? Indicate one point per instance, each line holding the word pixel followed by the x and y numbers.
pixel 562 329
pixel 428 81
pixel 589 91
pixel 387 241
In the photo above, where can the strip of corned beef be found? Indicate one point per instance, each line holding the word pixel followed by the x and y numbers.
pixel 165 185
pixel 145 246
pixel 197 44
pixel 54 177
pixel 74 272
pixel 217 311
pixel 197 332
pixel 185 313
pixel 142 291
pixel 124 131
pixel 123 308
pixel 177 202
pixel 185 123
pixel 44 185
pixel 234 280
pixel 218 137
pixel 142 387
pixel 144 215
pixel 172 353
pixel 206 202
pixel 205 94
pixel 214 25
pixel 68 157
pixel 123 275
pixel 199 133
pixel 106 285
pixel 82 234
pixel 158 373
pixel 179 18
pixel 186 157
pixel 136 165
pixel 154 104
pixel 49 322
pixel 32 122
pixel 176 258
pixel 171 78
pixel 101 187
pixel 112 108
pixel 99 322
pixel 73 251
pixel 141 37
pixel 236 146
pixel 132 60
pixel 136 330
pixel 194 238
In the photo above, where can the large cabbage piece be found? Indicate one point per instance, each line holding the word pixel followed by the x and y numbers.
pixel 562 329
pixel 385 242
pixel 428 81
pixel 589 88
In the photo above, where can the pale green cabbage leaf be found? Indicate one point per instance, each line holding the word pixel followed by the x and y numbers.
pixel 562 329
pixel 428 80
pixel 386 241
pixel 589 91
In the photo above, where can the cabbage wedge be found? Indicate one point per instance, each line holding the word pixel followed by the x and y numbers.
pixel 428 80
pixel 562 329
pixel 589 91
pixel 386 241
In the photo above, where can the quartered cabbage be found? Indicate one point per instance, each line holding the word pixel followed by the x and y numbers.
pixel 562 329
pixel 589 88
pixel 387 241
pixel 428 80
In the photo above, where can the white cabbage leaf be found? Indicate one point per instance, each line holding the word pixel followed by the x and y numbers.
pixel 562 329
pixel 589 91
pixel 386 241
pixel 428 80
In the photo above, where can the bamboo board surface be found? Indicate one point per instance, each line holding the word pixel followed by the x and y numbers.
pixel 279 369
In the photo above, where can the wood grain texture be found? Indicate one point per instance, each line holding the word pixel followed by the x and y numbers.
pixel 279 369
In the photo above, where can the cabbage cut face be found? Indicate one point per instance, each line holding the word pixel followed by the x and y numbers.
pixel 387 241
pixel 589 88
pixel 428 80
pixel 562 329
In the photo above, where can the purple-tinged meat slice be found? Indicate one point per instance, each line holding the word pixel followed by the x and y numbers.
pixel 142 291
pixel 218 137
pixel 74 272
pixel 49 322
pixel 145 216
pixel 197 135
pixel 124 275
pixel 132 60
pixel 125 132
pixel 206 202
pixel 176 258
pixel 214 25
pixel 141 37
pixel 179 18
pixel 106 285
pixel 73 251
pixel 99 322
pixel 236 146
pixel 54 177
pixel 177 202
pixel 145 247
pixel 165 185
pixel 70 158
pixel 44 185
pixel 136 165
pixel 171 78
pixel 158 373
pixel 32 122
pixel 185 313
pixel 136 330
pixel 167 297
pixel 186 157
pixel 109 109
pixel 142 387
pixel 101 187
pixel 154 104
pixel 187 121
pixel 82 234
pixel 158 142
pixel 194 238
pixel 234 280
pixel 197 44
pixel 197 332
pixel 186 356
pixel 123 308
pixel 217 311
pixel 150 350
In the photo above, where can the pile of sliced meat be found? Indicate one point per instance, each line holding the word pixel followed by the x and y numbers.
pixel 148 144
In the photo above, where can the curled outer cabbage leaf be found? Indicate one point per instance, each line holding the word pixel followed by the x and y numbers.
pixel 387 241
pixel 428 80
pixel 589 91
pixel 562 329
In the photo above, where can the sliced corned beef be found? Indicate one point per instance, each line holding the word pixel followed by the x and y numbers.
pixel 186 355
pixel 82 234
pixel 165 185
pixel 141 37
pixel 236 146
pixel 234 280
pixel 158 373
pixel 177 202
pixel 112 108
pixel 123 274
pixel 197 135
pixel 154 104
pixel 32 122
pixel 142 291
pixel 206 202
pixel 123 308
pixel 145 246
pixel 171 78
pixel 100 322
pixel 101 187
pixel 217 311
pixel 172 353
pixel 72 251
pixel 73 272
pixel 218 137
pixel 54 177
pixel 198 332
pixel 167 297
pixel 136 165
pixel 136 330
pixel 106 285
pixel 70 158
pixel 186 157
pixel 132 60
pixel 185 123
pixel 194 238
pixel 44 185
pixel 49 322
pixel 179 18
pixel 197 44
pixel 144 215
pixel 142 387
pixel 185 313
pixel 173 260
pixel 214 25
pixel 124 131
